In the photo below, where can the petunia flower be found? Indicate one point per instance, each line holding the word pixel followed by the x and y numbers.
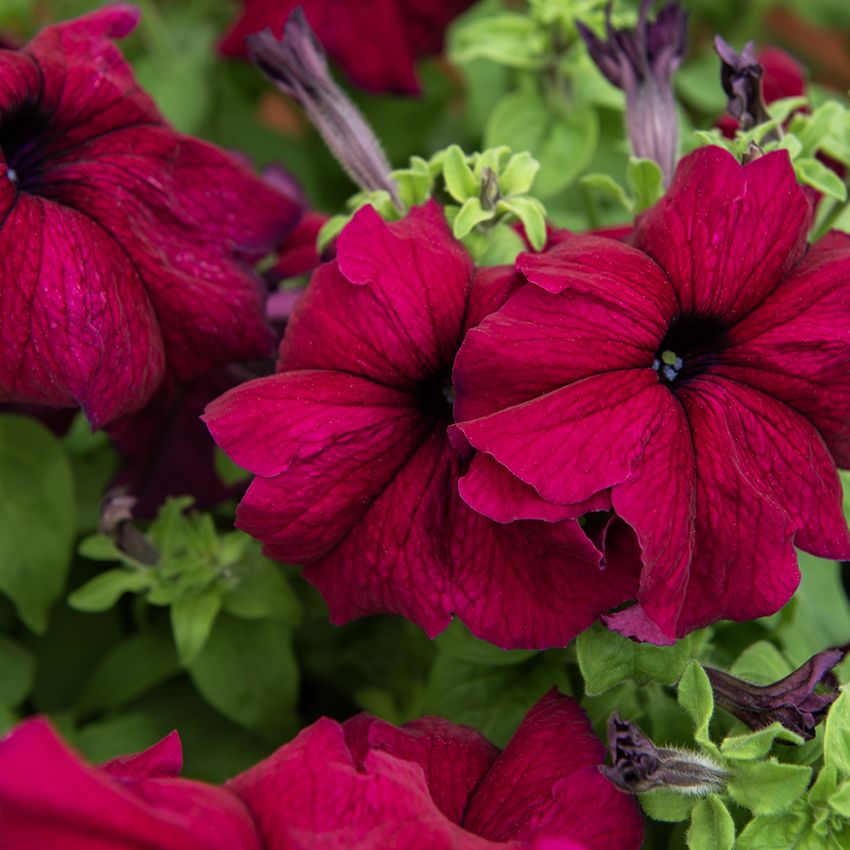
pixel 126 247
pixel 377 42
pixel 51 799
pixel 433 785
pixel 641 61
pixel 700 379
pixel 793 701
pixel 355 474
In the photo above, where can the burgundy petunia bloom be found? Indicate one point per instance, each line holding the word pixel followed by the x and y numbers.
pixel 433 785
pixel 376 42
pixel 700 380
pixel 126 247
pixel 51 799
pixel 356 477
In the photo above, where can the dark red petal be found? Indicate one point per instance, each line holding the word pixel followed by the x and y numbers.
pixel 77 326
pixel 547 783
pixel 725 234
pixel 453 757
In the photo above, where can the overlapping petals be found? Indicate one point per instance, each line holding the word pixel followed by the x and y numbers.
pixel 126 247
pixel 698 380
pixel 357 474
pixel 375 41
pixel 432 785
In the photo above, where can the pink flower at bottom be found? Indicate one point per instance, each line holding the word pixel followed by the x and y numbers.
pixel 433 785
pixel 701 379
pixel 355 474
pixel 50 799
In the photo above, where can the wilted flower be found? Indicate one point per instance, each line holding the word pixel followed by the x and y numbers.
pixel 741 77
pixel 793 701
pixel 641 62
pixel 638 765
pixel 126 246
pixel 433 785
pixel 356 476
pixel 296 64
pixel 375 41
pixel 700 381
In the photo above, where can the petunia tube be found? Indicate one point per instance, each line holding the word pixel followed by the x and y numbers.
pixel 376 42
pixel 701 378
pixel 355 474
pixel 51 799
pixel 126 247
pixel 434 785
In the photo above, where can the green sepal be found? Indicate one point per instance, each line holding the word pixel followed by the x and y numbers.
pixel 517 178
pixel 532 215
pixel 469 216
pixel 768 787
pixel 663 804
pixel 712 827
pixel 459 179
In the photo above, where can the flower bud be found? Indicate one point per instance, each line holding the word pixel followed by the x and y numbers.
pixel 741 78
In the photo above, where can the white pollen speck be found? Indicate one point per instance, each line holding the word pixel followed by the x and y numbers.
pixel 12 175
pixel 669 373
pixel 656 364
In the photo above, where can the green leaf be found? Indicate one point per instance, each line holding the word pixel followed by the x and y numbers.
pixel 247 671
pixel 668 806
pixel 768 787
pixel 469 216
pixel 498 246
pixel 646 182
pixel 697 698
pixel 562 142
pixel 836 739
pixel 606 659
pixel 37 518
pixel 17 673
pixel 104 590
pixel 780 110
pixel 607 185
pixel 756 745
pixel 458 643
pixel 262 591
pixel 712 827
pixel 839 800
pixel 460 181
pixel 761 663
pixel 532 215
pixel 228 472
pixel 509 39
pixel 192 618
pixel 780 832
pixel 130 668
pixel 814 173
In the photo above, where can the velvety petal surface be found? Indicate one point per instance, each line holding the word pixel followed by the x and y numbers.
pixel 52 800
pixel 453 757
pixel 329 444
pixel 547 783
pixel 312 794
pixel 796 345
pixel 724 233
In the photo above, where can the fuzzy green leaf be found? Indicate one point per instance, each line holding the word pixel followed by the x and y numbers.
pixel 814 173
pixel 508 39
pixel 17 671
pixel 469 216
pixel 768 787
pixel 607 185
pixel 836 739
pixel 646 182
pixel 712 827
pixel 518 176
pixel 697 698
pixel 756 745
pixel 775 832
pixel 262 591
pixel 668 806
pixel 460 181
pixel 532 215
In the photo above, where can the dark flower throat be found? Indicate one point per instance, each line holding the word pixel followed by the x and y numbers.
pixel 435 396
pixel 692 344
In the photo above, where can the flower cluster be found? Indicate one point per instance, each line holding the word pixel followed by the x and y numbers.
pixel 655 423
pixel 363 785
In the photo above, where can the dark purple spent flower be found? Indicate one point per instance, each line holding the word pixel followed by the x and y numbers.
pixel 741 76
pixel 641 61
pixel 638 765
pixel 296 64
pixel 794 701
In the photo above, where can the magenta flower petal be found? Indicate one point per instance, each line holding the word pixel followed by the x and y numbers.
pixel 163 759
pixel 454 758
pixel 547 783
pixel 796 346
pixel 51 799
pixel 138 241
pixel 312 793
pixel 724 234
